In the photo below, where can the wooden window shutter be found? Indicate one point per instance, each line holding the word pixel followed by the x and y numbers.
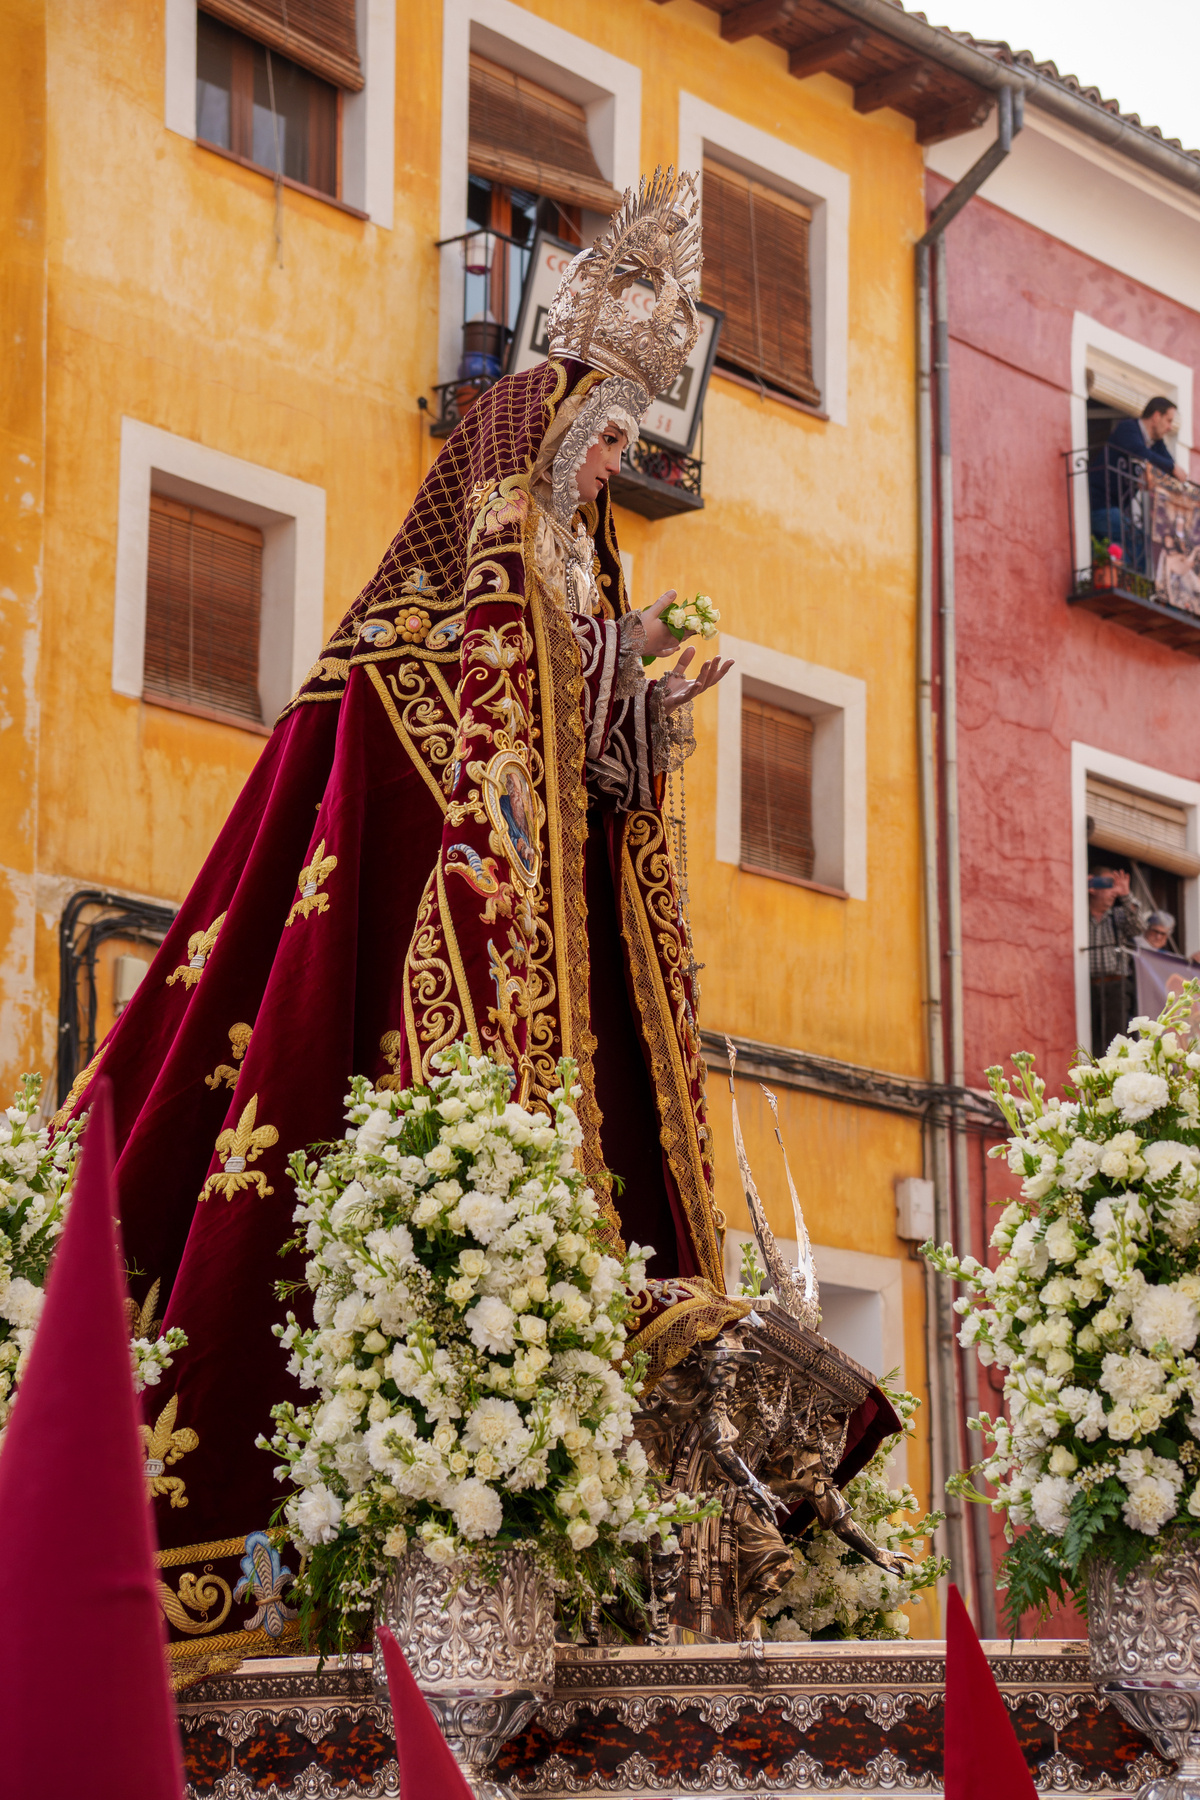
pixel 1150 831
pixel 203 602
pixel 777 832
pixel 526 137
pixel 756 269
pixel 321 35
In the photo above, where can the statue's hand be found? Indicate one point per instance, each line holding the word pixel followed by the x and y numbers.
pixel 896 1562
pixel 675 688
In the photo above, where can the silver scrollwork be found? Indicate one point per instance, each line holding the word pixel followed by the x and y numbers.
pixel 1145 1639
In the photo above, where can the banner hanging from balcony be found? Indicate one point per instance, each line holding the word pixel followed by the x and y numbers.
pixel 1175 544
pixel 674 416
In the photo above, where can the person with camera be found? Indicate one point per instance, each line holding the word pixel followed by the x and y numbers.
pixel 1114 925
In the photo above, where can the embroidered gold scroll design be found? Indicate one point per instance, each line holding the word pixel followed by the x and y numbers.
pixel 164 1444
pixel 647 912
pixel 200 948
pixel 238 1145
pixel 431 1018
pixel 697 1319
pixel 77 1090
pixel 201 1592
pixel 414 755
pixel 312 877
pixel 239 1038
pixel 560 699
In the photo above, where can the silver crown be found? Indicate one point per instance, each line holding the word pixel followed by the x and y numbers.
pixel 653 238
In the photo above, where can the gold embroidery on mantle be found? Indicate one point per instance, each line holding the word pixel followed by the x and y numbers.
pixel 648 912
pixel 560 695
pixel 238 1145
pixel 164 1445
pixel 200 1592
pixel 77 1087
pixel 239 1038
pixel 431 1018
pixel 414 754
pixel 311 877
pixel 200 948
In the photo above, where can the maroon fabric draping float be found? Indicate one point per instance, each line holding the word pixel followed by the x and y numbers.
pixel 416 857
pixel 983 1758
pixel 76 1539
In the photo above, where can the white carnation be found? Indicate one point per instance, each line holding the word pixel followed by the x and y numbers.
pixel 1051 1500
pixel 1149 1506
pixel 1139 1094
pixel 476 1508
pixel 21 1303
pixel 490 1323
pixel 1160 1313
pixel 318 1514
pixel 1131 1376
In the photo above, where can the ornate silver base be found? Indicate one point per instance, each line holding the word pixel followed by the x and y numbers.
pixel 1145 1641
pixel 1170 1718
pixel 482 1655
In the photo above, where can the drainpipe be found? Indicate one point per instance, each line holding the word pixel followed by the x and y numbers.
pixel 949 1146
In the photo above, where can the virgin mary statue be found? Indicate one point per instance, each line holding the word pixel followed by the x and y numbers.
pixel 453 832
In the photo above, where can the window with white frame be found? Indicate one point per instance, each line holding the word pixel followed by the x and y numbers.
pixel 220 579
pixel 791 770
pixel 1134 826
pixel 774 208
pixel 540 128
pixel 308 95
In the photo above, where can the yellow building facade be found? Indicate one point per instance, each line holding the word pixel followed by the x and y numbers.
pixel 180 325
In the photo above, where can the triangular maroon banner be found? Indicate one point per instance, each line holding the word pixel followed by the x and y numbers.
pixel 428 1770
pixel 983 1758
pixel 85 1703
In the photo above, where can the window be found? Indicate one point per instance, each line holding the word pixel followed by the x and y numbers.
pixel 203 607
pixel 756 268
pixel 264 108
pixel 777 762
pixel 523 136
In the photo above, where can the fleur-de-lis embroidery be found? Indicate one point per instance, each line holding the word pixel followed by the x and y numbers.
pixel 264 1578
pixel 311 876
pixel 238 1145
pixel 200 948
pixel 164 1445
pixel 239 1037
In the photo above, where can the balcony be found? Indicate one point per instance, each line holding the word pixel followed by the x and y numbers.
pixel 500 303
pixel 1144 534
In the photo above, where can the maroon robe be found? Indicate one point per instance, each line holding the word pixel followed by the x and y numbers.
pixel 417 857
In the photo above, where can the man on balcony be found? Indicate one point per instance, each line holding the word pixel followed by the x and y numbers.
pixel 1135 453
pixel 1115 925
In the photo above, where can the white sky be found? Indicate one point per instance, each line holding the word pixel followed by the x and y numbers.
pixel 1147 57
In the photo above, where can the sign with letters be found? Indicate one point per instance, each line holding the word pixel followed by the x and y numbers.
pixel 673 417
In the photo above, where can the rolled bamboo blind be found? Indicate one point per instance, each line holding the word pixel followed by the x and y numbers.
pixel 756 269
pixel 777 824
pixel 203 605
pixel 526 137
pixel 321 35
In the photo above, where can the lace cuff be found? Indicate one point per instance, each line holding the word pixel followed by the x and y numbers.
pixel 672 738
pixel 631 647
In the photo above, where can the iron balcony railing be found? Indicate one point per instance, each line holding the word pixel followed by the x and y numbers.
pixel 1135 545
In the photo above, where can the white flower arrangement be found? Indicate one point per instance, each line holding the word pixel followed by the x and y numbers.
pixel 36 1173
pixel 467 1324
pixel 836 1592
pixel 1093 1310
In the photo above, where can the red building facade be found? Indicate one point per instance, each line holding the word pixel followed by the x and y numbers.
pixel 1073 296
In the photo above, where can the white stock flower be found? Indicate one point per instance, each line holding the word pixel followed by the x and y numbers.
pixel 1026 1252
pixel 1139 1094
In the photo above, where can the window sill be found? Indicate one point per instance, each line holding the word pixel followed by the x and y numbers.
pixel 816 887
pixel 297 187
pixel 212 713
pixel 766 392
